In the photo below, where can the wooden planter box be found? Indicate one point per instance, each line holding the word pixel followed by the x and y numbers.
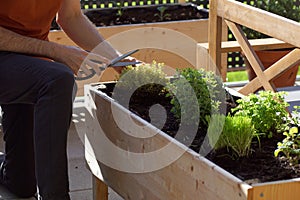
pixel 153 40
pixel 188 177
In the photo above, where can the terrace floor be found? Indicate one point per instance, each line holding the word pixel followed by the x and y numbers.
pixel 80 176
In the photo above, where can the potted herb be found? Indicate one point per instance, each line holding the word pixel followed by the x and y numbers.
pixel 289 10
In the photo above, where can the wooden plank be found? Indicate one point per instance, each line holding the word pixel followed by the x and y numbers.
pixel 168 54
pixel 203 59
pixel 273 71
pixel 179 54
pixel 256 44
pixel 196 29
pixel 278 190
pixel 252 17
pixel 214 38
pixel 251 55
pixel 176 182
pixel 100 189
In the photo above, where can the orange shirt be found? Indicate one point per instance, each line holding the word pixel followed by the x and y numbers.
pixel 29 17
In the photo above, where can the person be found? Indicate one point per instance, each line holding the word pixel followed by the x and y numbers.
pixel 36 84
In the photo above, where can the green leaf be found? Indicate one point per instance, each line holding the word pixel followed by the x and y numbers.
pixel 276 152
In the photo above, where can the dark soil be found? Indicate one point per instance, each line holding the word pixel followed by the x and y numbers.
pixel 143 14
pixel 261 166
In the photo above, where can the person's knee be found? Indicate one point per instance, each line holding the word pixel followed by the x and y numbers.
pixel 61 81
pixel 66 79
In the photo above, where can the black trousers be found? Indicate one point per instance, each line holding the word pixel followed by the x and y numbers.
pixel 36 101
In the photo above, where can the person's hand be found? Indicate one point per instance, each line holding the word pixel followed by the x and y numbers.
pixel 95 62
pixel 76 59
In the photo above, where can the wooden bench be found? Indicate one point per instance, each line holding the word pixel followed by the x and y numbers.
pixel 286 33
pixel 234 46
pixel 257 44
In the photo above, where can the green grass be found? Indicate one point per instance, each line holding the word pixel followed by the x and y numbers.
pixel 242 76
pixel 237 76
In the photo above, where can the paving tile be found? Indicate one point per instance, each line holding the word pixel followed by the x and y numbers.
pixel 80 176
pixel 81 195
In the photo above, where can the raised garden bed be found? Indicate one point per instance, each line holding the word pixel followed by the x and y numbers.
pixel 190 175
pixel 143 14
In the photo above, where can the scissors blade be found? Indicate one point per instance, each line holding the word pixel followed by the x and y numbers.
pixel 121 57
pixel 118 59
pixel 124 64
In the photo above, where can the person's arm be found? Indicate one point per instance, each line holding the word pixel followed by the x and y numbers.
pixel 79 29
pixel 11 41
pixel 71 56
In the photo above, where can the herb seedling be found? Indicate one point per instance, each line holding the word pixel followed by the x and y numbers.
pixel 290 146
pixel 237 135
pixel 266 109
pixel 162 14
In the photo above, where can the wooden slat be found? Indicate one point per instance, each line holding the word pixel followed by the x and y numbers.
pixel 256 44
pixel 251 55
pixel 279 190
pixel 214 38
pixel 260 20
pixel 196 29
pixel 100 189
pixel 273 71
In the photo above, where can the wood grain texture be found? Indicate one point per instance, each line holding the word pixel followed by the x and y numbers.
pixel 172 43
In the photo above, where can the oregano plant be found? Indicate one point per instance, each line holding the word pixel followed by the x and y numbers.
pixel 207 87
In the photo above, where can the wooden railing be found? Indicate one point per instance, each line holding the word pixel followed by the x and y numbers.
pixel 237 14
